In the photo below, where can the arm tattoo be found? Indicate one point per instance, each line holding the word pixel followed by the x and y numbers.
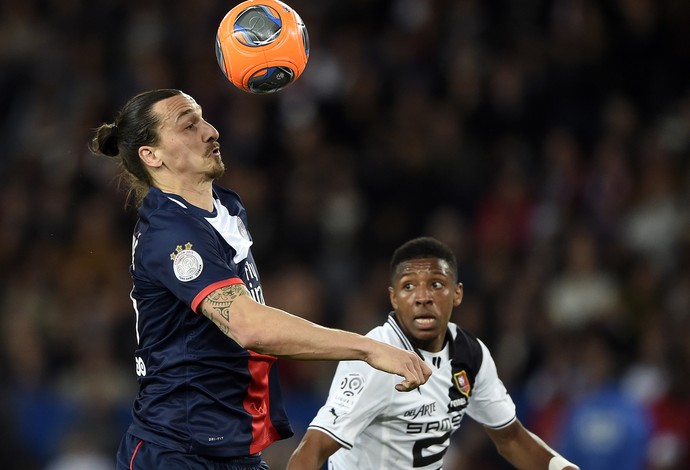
pixel 219 301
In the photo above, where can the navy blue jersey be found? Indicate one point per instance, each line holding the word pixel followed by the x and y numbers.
pixel 199 391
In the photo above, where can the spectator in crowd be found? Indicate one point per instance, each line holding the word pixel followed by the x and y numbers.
pixel 604 427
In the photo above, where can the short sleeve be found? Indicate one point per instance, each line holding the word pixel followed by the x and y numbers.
pixel 358 394
pixel 490 404
pixel 184 255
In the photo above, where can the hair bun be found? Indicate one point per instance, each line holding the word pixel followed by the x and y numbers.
pixel 107 140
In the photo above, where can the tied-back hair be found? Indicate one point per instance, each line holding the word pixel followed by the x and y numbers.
pixel 135 125
pixel 423 247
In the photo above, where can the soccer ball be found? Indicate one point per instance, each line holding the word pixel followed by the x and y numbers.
pixel 262 46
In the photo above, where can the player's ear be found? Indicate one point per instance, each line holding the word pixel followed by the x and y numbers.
pixel 459 291
pixel 394 301
pixel 149 157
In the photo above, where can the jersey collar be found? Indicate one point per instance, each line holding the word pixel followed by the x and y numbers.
pixel 393 323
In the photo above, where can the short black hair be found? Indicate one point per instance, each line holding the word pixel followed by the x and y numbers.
pixel 423 247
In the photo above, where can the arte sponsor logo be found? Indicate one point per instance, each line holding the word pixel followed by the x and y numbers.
pixel 424 410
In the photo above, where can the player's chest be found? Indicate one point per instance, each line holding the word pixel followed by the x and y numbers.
pixel 430 409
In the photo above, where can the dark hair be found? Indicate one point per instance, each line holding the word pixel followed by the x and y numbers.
pixel 423 247
pixel 135 125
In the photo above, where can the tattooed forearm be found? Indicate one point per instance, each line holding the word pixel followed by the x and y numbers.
pixel 216 306
pixel 216 319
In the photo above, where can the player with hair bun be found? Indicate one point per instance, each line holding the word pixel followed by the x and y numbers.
pixel 209 395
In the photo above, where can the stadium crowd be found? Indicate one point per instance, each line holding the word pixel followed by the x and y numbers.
pixel 546 141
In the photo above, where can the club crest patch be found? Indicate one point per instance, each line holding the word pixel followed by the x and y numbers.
pixel 187 263
pixel 462 383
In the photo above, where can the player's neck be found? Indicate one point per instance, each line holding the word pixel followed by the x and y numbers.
pixel 432 346
pixel 199 195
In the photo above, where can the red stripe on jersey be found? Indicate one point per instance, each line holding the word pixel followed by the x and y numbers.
pixel 134 454
pixel 208 289
pixel 257 402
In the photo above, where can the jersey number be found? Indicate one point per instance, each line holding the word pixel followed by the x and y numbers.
pixel 419 460
pixel 140 366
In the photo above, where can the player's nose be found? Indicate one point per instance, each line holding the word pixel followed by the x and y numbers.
pixel 210 133
pixel 423 294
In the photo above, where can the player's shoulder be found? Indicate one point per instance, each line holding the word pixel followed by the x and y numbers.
pixel 223 192
pixel 466 347
pixel 229 198
pixel 459 333
pixel 391 333
pixel 370 375
pixel 158 205
pixel 167 221
pixel 169 212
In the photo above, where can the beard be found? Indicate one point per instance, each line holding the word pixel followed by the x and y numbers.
pixel 216 171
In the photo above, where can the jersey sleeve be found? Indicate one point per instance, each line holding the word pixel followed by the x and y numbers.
pixel 182 254
pixel 358 394
pixel 490 403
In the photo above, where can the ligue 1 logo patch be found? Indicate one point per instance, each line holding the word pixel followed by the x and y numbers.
pixel 462 383
pixel 187 263
pixel 350 387
pixel 352 384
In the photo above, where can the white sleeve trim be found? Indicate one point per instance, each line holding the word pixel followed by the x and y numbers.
pixel 505 425
pixel 330 434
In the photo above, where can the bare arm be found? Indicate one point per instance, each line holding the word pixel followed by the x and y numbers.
pixel 272 331
pixel 523 449
pixel 312 451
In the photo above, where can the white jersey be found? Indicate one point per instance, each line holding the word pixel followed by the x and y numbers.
pixel 381 428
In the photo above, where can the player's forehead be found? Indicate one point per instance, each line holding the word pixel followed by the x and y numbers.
pixel 171 110
pixel 423 266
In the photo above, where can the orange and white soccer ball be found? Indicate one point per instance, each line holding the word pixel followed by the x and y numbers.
pixel 262 46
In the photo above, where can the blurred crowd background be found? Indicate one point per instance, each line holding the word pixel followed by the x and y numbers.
pixel 546 141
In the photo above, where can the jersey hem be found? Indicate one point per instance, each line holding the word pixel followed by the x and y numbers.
pixel 241 449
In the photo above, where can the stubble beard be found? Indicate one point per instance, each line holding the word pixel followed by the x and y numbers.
pixel 216 171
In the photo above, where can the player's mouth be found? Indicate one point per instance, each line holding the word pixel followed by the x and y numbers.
pixel 215 150
pixel 425 322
